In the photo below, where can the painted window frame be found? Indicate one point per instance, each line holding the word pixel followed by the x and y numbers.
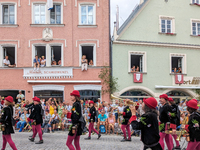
pixel 1 10
pixel 94 52
pixel 61 14
pixel 47 12
pixel 172 19
pixel 197 21
pixel 2 55
pixel 194 2
pixel 94 13
pixel 184 62
pixel 144 60
pixel 48 53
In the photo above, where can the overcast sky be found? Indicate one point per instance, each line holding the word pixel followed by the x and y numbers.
pixel 125 8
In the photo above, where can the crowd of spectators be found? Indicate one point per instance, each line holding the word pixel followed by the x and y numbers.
pixel 57 115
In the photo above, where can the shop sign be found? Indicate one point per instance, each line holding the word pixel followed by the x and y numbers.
pixel 48 73
pixel 186 81
pixel 138 77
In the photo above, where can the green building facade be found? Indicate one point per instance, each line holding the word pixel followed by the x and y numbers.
pixel 162 40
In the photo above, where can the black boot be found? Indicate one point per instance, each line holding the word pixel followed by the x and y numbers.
pixel 99 135
pixel 123 140
pixel 31 139
pixel 88 138
pixel 128 140
pixel 40 142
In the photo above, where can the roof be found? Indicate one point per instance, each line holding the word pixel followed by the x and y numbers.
pixel 131 16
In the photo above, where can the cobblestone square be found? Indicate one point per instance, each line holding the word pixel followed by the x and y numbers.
pixel 57 141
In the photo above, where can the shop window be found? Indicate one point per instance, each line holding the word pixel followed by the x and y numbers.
pixel 56 55
pixel 45 94
pixel 8 12
pixel 88 52
pixel 87 15
pixel 90 95
pixel 177 63
pixel 10 52
pixel 55 14
pixel 13 93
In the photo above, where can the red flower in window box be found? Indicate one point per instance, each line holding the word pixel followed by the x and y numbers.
pixel 197 4
pixel 198 35
pixel 171 33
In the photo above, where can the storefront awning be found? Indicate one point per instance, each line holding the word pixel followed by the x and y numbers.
pixel 176 87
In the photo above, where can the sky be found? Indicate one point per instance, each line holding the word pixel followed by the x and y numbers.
pixel 125 9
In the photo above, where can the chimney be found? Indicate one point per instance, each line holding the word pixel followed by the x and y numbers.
pixel 117 18
pixel 115 31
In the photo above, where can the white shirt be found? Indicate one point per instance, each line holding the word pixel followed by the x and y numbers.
pixel 121 108
pixel 69 107
pixel 54 116
pixel 21 96
pixel 6 62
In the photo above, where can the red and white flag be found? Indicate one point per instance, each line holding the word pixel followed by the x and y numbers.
pixel 179 79
pixel 138 77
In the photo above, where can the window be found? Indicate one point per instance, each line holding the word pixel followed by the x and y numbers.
pixel 88 52
pixel 10 52
pixel 40 51
pixel 137 62
pixel 167 24
pixel 87 15
pixel 8 14
pixel 45 94
pixel 90 95
pixel 178 63
pixel 196 28
pixel 56 55
pixel 39 14
pixel 195 1
pixel 55 14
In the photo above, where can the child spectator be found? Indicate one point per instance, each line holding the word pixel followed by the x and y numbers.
pixel 84 63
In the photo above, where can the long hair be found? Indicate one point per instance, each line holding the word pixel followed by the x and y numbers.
pixel 9 103
pixel 173 102
pixel 77 99
pixel 191 110
pixel 147 109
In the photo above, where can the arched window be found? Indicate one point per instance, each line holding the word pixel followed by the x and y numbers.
pixel 179 96
pixel 135 95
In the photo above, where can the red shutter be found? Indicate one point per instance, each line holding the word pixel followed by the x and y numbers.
pixel 138 77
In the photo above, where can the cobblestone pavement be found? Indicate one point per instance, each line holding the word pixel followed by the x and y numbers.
pixel 57 141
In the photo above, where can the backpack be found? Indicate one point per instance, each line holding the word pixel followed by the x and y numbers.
pixel 102 128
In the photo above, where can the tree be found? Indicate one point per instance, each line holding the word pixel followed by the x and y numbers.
pixel 108 80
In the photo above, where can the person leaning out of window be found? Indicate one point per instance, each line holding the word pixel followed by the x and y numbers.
pixel 91 63
pixel 43 62
pixel 36 62
pixel 84 63
pixel 6 63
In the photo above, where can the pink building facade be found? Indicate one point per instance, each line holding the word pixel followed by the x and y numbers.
pixel 62 35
